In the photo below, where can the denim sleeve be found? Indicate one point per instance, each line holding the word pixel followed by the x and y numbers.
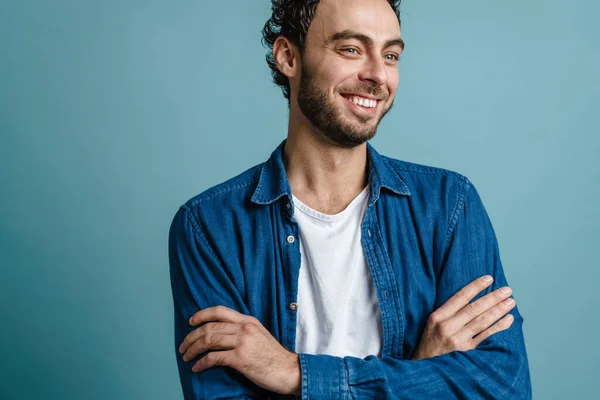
pixel 496 369
pixel 198 281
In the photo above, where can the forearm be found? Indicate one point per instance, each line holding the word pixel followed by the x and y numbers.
pixel 498 369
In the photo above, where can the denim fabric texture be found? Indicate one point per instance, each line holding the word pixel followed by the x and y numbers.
pixel 425 234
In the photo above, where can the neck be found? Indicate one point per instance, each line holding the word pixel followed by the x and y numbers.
pixel 322 174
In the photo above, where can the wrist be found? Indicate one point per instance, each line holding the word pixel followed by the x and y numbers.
pixel 295 376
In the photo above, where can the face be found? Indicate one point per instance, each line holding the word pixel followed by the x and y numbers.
pixel 349 73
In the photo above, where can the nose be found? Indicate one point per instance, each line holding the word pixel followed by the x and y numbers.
pixel 374 70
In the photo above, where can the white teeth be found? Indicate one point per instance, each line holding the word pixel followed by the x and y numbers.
pixel 364 102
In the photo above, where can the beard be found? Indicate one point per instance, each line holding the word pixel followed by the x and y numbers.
pixel 328 119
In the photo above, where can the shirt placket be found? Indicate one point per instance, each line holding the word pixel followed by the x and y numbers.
pixel 381 271
pixel 291 269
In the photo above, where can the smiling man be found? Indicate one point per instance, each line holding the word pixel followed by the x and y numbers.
pixel 331 271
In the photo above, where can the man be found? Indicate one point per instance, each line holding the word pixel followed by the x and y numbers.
pixel 331 271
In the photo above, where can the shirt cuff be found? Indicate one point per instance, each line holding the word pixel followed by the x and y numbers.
pixel 323 377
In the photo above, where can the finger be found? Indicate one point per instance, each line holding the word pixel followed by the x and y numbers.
pixel 485 320
pixel 226 328
pixel 213 359
pixel 218 313
pixel 478 307
pixel 499 326
pixel 463 297
pixel 211 342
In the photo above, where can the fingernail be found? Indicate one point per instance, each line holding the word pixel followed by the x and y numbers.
pixel 509 302
pixel 505 290
pixel 487 279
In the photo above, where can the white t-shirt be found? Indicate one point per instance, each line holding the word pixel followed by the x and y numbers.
pixel 338 309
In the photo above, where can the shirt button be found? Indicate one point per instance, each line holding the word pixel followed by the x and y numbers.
pixel 287 205
pixel 293 306
pixel 290 239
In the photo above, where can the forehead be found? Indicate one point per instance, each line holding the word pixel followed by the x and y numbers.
pixel 374 18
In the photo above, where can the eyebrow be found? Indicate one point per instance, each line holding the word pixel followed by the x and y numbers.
pixel 348 34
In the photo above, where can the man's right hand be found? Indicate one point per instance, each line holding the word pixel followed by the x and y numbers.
pixel 458 325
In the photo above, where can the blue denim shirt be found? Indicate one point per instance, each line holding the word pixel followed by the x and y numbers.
pixel 425 235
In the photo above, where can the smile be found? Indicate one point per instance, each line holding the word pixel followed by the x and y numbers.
pixel 361 104
pixel 361 101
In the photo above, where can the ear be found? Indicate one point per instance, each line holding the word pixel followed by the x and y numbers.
pixel 286 57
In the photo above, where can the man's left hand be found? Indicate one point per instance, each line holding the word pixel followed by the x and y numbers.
pixel 241 342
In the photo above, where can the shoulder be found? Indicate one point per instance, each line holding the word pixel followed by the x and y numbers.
pixel 438 193
pixel 233 187
pixel 422 171
pixel 225 198
pixel 421 179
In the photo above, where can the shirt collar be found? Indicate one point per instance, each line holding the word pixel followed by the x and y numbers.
pixel 273 182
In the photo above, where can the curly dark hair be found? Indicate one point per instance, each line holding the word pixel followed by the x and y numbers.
pixel 291 18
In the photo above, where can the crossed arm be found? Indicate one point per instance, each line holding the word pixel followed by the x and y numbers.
pixel 239 341
pixel 463 352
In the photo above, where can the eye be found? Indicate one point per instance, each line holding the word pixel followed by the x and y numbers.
pixel 392 57
pixel 350 50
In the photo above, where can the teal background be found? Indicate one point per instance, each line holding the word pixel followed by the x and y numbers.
pixel 113 113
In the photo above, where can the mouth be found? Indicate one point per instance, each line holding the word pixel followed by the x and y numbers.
pixel 362 104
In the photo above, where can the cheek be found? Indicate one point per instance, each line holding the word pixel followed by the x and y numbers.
pixel 341 75
pixel 394 81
